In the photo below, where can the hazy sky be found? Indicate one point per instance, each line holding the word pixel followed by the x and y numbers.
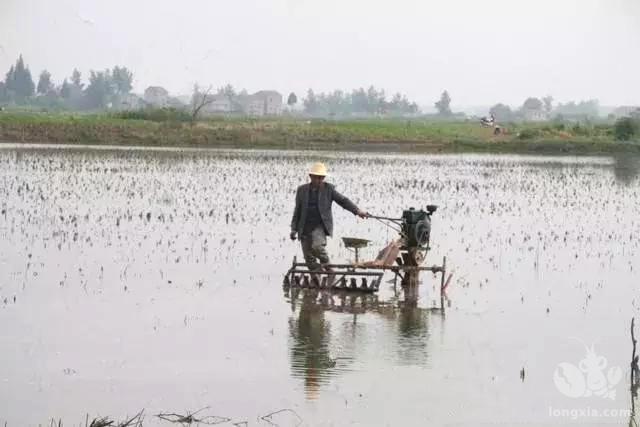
pixel 482 51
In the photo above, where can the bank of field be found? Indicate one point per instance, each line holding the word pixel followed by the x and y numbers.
pixel 175 129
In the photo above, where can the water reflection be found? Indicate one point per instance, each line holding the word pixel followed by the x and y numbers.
pixel 398 330
pixel 311 334
pixel 626 168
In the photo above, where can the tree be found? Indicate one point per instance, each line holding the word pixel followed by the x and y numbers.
pixel 19 81
pixel 10 76
pixel 199 100
pixel 548 103
pixel 122 80
pixel 626 128
pixel 8 82
pixel 76 79
pixel 396 101
pixel 311 102
pixel 335 103
pixel 501 112
pixel 359 101
pixel 375 100
pixel 25 86
pixel 399 104
pixel 229 91
pixel 292 100
pixel 532 104
pixel 44 83
pixel 444 105
pixel 73 91
pixel 65 90
pixel 588 108
pixel 370 101
pixel 100 89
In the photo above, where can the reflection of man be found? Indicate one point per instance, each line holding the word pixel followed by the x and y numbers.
pixel 310 348
pixel 312 220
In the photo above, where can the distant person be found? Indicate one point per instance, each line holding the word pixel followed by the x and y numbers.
pixel 312 219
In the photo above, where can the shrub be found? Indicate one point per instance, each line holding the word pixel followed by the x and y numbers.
pixel 625 129
pixel 529 133
pixel 581 130
pixel 155 115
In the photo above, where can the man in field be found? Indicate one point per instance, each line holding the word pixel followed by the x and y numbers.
pixel 312 220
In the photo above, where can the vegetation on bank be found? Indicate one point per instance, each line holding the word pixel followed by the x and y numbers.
pixel 173 128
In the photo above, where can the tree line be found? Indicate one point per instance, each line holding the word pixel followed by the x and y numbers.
pixel 110 87
pixel 543 107
pixel 359 101
pixel 103 89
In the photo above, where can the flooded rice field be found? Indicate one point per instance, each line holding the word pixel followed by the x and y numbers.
pixel 152 279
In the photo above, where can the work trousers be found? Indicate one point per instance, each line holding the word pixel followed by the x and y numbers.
pixel 314 248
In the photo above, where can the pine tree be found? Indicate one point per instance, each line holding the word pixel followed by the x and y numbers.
pixel 23 85
pixel 9 80
pixel 292 100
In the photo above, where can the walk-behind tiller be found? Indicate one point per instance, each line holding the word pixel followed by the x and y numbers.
pixel 403 256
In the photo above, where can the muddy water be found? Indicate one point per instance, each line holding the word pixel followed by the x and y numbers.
pixel 134 279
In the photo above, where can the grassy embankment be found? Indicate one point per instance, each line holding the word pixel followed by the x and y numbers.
pixel 380 134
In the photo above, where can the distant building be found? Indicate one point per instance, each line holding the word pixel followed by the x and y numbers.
pixel 262 103
pixel 272 102
pixel 531 115
pixel 156 96
pixel 129 101
pixel 219 104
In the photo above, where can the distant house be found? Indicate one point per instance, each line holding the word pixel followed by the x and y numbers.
pixel 272 102
pixel 262 103
pixel 531 115
pixel 156 96
pixel 219 104
pixel 129 101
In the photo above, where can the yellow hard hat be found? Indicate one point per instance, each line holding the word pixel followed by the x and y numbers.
pixel 318 169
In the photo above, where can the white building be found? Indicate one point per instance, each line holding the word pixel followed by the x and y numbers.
pixel 271 100
pixel 531 115
pixel 219 104
pixel 262 103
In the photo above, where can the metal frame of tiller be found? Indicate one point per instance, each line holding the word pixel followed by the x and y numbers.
pixel 407 266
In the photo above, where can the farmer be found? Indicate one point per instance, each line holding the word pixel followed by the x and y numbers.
pixel 312 221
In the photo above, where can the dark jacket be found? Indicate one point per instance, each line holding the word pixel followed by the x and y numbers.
pixel 327 194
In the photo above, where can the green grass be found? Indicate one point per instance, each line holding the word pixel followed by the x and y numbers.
pixel 151 128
